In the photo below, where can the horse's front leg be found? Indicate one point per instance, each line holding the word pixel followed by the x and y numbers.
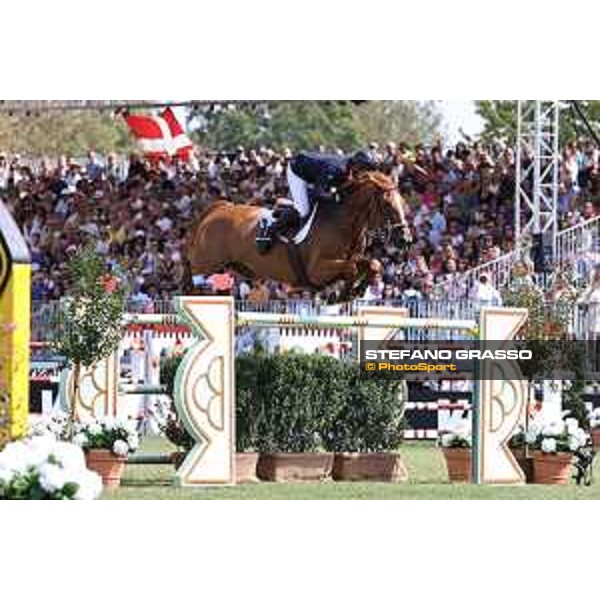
pixel 363 278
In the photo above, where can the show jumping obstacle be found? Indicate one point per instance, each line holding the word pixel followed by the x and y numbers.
pixel 15 316
pixel 204 384
pixel 205 389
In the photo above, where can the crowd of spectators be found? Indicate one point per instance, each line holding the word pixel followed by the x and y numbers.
pixel 137 213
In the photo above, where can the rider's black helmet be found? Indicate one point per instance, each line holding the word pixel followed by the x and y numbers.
pixel 363 161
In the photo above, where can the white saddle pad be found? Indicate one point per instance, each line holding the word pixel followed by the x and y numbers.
pixel 305 230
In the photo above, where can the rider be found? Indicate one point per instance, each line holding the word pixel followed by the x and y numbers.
pixel 314 177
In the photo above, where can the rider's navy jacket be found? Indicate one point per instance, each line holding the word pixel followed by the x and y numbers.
pixel 321 170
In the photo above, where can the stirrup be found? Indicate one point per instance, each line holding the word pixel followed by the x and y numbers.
pixel 264 239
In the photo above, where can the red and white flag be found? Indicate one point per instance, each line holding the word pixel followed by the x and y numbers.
pixel 160 136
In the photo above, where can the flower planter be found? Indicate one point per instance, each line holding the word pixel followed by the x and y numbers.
pixel 245 467
pixel 108 465
pixel 551 469
pixel 595 433
pixel 371 466
pixel 458 464
pixel 295 466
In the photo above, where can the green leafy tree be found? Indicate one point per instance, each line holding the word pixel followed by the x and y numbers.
pixel 305 125
pixel 72 133
pixel 89 318
pixel 500 120
pixel 398 121
pixel 297 124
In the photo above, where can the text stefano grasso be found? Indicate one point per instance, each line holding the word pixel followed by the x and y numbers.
pixel 499 354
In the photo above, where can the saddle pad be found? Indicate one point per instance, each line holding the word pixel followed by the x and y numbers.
pixel 305 230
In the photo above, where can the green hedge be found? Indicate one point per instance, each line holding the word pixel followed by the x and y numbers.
pixel 306 403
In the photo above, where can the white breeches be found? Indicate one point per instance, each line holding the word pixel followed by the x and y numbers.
pixel 299 192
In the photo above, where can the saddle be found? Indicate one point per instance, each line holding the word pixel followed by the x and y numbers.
pixel 283 224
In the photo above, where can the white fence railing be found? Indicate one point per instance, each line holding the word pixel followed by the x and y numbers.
pixel 579 241
pixel 578 245
pixel 462 285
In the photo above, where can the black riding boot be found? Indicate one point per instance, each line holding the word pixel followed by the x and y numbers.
pixel 286 222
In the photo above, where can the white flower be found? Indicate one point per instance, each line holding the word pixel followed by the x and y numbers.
pixel 6 475
pixel 108 423
pixel 554 428
pixel 446 439
pixel 574 444
pixel 581 436
pixel 80 439
pixel 531 436
pixel 89 485
pixel 120 448
pixel 70 456
pixel 52 477
pixel 548 445
pixel 133 441
pixel 94 429
pixel 572 425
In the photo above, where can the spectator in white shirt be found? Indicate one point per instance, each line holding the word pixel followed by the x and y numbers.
pixel 485 294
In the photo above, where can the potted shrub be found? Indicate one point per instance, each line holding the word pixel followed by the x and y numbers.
pixel 246 422
pixel 456 446
pixel 298 396
pixel 107 443
pixel 368 430
pixel 553 446
pixel 43 468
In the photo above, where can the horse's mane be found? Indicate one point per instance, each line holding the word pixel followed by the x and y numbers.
pixel 379 180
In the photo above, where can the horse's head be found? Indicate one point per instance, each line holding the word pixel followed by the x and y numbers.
pixel 381 205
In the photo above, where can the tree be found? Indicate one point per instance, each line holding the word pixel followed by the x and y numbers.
pixel 500 120
pixel 398 120
pixel 305 125
pixel 89 318
pixel 72 133
pixel 297 124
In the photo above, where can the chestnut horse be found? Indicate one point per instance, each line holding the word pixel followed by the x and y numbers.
pixel 224 235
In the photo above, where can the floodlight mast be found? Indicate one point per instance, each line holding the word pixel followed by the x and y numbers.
pixel 537 164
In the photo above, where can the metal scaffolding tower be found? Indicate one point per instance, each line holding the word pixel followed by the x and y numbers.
pixel 537 171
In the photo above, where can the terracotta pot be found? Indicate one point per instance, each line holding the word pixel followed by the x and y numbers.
pixel 245 467
pixel 369 466
pixel 525 462
pixel 108 465
pixel 295 466
pixel 458 464
pixel 596 437
pixel 551 469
